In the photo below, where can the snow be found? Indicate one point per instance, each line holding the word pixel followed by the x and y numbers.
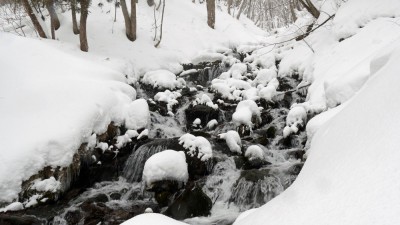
pixel 152 219
pixel 351 174
pixel 233 141
pixel 15 206
pixel 264 76
pixel 50 105
pixel 126 138
pixel 47 185
pixel 269 92
pixel 196 146
pixel 169 97
pixel 254 152
pixel 245 111
pixel 205 100
pixel 143 134
pixel 163 79
pixel 166 165
pixel 238 70
pixel 207 57
pixel 212 123
pixel 138 115
pixel 196 122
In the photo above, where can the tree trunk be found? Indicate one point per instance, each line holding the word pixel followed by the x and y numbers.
pixel 310 8
pixel 242 6
pixel 211 13
pixel 53 14
pixel 292 6
pixel 74 21
pixel 82 27
pixel 229 6
pixel 133 19
pixel 35 21
pixel 127 19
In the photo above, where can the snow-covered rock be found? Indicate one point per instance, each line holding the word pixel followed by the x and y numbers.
pixel 163 79
pixel 169 97
pixel 138 115
pixel 166 165
pixel 47 185
pixel 205 100
pixel 264 76
pixel 247 113
pixel 152 219
pixel 254 152
pixel 233 141
pixel 197 146
pixel 15 206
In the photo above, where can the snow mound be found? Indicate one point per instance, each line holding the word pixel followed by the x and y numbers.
pixel 168 97
pixel 55 103
pixel 152 219
pixel 205 100
pixel 166 165
pixel 352 172
pixel 15 206
pixel 208 57
pixel 138 115
pixel 264 76
pixel 163 79
pixel 233 141
pixel 50 184
pixel 198 146
pixel 269 92
pixel 212 123
pixel 246 112
pixel 254 152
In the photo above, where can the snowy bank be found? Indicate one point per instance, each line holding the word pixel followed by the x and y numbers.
pixel 50 105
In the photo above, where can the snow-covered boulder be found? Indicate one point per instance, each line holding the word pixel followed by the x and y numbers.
pixel 152 219
pixel 296 118
pixel 254 152
pixel 138 115
pixel 203 109
pixel 197 146
pixel 168 165
pixel 247 116
pixel 163 79
pixel 264 76
pixel 233 141
pixel 169 99
pixel 269 92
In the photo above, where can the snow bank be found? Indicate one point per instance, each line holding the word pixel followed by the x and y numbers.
pixel 233 141
pixel 166 165
pixel 352 172
pixel 50 105
pixel 152 219
pixel 196 146
pixel 163 79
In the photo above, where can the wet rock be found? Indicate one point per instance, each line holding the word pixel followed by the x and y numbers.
pixel 6 219
pixel 203 112
pixel 73 216
pixel 295 154
pixel 191 203
pixel 164 190
pixel 115 196
pixel 295 169
pixel 98 198
pixel 243 163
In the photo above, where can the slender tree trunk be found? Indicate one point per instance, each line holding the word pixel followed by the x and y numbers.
pixel 74 21
pixel 229 6
pixel 211 13
pixel 82 27
pixel 35 21
pixel 53 14
pixel 310 8
pixel 127 19
pixel 133 19
pixel 292 6
pixel 161 26
pixel 242 6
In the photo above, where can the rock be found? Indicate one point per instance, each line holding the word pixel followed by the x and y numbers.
pixel 191 203
pixel 115 196
pixel 98 198
pixel 243 163
pixel 6 219
pixel 203 112
pixel 73 216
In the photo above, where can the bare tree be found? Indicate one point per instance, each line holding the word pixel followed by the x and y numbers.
pixel 161 25
pixel 75 27
pixel 53 14
pixel 242 6
pixel 130 20
pixel 35 21
pixel 229 6
pixel 211 13
pixel 310 8
pixel 82 26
